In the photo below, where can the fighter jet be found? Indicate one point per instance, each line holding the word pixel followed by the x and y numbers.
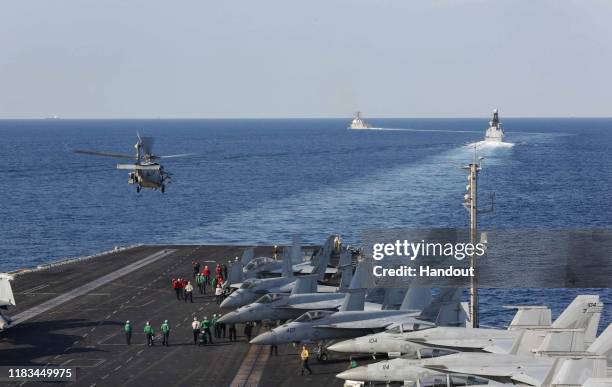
pixel 531 369
pixel 282 307
pixel 262 267
pixel 253 288
pixel 6 299
pixel 395 342
pixel 352 320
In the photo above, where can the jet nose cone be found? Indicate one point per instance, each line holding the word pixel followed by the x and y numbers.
pixel 267 338
pixel 346 346
pixel 230 302
pixel 229 318
pixel 359 373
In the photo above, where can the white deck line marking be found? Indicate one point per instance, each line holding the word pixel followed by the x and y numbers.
pixel 35 288
pixel 251 369
pixel 130 359
pixel 48 305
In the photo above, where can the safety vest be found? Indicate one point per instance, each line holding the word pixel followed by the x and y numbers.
pixel 165 328
pixel 304 355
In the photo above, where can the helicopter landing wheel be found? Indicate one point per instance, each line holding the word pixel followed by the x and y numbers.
pixel 163 188
pixel 138 189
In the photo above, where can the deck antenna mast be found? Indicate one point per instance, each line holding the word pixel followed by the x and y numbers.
pixel 471 204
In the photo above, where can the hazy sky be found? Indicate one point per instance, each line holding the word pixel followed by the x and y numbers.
pixel 315 58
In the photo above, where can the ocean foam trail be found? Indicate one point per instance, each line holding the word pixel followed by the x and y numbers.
pixel 423 130
pixel 490 144
pixel 461 131
pixel 428 193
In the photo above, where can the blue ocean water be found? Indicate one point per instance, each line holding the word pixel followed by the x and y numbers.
pixel 261 181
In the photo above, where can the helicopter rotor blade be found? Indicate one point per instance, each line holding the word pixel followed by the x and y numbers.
pixel 146 143
pixel 174 156
pixel 105 154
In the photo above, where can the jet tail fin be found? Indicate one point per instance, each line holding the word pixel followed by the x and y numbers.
pixel 393 298
pixel 361 275
pixel 296 250
pixel 353 300
pixel 247 255
pixel 417 297
pixel 305 284
pixel 446 308
pixel 345 267
pixel 324 256
pixel 572 330
pixel 584 312
pixel 529 317
pixel 575 371
pixel 287 264
pixel 603 344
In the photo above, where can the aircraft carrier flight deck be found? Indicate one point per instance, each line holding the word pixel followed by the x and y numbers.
pixel 73 314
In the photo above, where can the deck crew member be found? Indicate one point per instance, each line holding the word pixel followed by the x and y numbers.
pixel 206 329
pixel 222 327
pixel 206 273
pixel 200 282
pixel 232 332
pixel 189 291
pixel 304 355
pixel 148 330
pixel 177 287
pixel 165 328
pixel 224 267
pixel 196 268
pixel 248 330
pixel 195 326
pixel 215 325
pixel 128 332
pixel 219 294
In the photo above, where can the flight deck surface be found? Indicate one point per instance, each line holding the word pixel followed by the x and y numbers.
pixel 73 314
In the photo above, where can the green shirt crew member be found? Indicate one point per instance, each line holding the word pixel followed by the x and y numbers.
pixel 206 329
pixel 165 328
pixel 127 328
pixel 149 332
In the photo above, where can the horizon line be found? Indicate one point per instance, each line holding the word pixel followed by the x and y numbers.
pixel 58 118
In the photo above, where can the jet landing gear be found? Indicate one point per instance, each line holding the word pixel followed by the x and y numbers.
pixel 321 353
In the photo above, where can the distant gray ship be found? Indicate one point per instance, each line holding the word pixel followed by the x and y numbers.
pixel 494 133
pixel 359 123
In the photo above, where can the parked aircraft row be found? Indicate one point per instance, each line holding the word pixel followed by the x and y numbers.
pixel 424 336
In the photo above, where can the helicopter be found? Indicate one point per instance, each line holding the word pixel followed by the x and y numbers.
pixel 146 172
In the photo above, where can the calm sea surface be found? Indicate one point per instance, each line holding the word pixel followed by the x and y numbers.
pixel 261 181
